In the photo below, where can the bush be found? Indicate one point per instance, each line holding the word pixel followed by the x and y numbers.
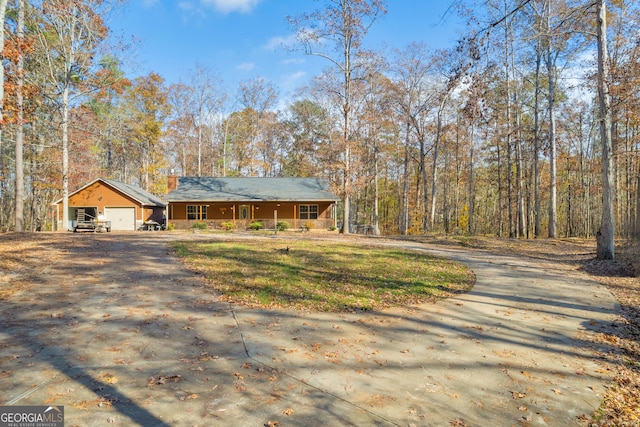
pixel 199 226
pixel 228 225
pixel 282 225
pixel 256 225
pixel 171 226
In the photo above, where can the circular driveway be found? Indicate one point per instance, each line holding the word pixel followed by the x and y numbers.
pixel 121 333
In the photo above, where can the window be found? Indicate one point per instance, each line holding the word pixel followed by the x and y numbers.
pixel 308 211
pixel 198 212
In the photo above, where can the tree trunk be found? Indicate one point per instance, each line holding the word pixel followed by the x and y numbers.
pixel 347 199
pixel 508 142
pixel 65 158
pixel 536 150
pixel 19 220
pixel 471 182
pixel 500 186
pixel 605 237
pixel 551 96
pixel 376 195
pixel 3 10
pixel 346 111
pixel 520 196
pixel 200 141
pixel 637 219
pixel 404 209
pixel 423 175
pixel 434 171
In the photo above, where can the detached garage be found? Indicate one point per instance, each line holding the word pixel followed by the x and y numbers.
pixel 107 202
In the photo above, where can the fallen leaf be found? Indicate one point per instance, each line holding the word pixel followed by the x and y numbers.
pixel 108 378
pixel 527 374
pixel 162 379
pixel 288 411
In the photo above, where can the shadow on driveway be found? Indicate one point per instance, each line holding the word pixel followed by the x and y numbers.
pixel 119 332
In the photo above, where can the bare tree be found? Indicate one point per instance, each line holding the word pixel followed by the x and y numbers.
pixel 605 240
pixel 70 34
pixel 257 96
pixel 207 99
pixel 413 73
pixel 19 219
pixel 344 23
pixel 3 11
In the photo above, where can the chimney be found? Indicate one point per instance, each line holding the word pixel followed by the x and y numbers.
pixel 172 183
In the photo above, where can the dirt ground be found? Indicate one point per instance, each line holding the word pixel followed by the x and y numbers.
pixel 25 258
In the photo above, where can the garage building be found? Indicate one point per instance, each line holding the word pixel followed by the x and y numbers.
pixel 122 206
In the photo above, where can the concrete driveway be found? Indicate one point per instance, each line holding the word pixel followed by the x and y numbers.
pixel 120 333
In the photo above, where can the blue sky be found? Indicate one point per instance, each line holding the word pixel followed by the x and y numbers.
pixel 241 39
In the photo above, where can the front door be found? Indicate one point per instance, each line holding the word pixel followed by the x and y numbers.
pixel 244 212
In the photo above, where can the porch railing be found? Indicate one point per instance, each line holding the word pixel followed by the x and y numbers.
pixel 244 224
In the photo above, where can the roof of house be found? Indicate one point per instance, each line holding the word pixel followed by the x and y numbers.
pixel 136 193
pixel 196 189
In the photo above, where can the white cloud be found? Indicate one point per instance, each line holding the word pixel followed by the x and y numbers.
pixel 246 66
pixel 228 6
pixel 293 61
pixel 279 42
pixel 185 5
pixel 296 76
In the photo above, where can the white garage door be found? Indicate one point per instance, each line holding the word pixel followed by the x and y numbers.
pixel 121 218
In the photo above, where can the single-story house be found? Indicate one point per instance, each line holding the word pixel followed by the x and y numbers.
pixel 106 201
pixel 302 202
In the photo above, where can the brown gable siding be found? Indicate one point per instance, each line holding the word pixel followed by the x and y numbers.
pixel 100 195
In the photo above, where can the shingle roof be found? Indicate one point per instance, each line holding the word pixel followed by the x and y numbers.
pixel 136 193
pixel 196 189
pixel 142 196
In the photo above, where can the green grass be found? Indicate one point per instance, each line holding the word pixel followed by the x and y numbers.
pixel 322 276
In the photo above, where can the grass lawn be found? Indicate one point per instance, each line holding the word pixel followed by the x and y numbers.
pixel 321 275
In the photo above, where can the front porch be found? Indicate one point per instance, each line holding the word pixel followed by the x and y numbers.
pixel 244 224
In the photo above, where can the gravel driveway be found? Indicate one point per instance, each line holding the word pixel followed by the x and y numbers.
pixel 118 331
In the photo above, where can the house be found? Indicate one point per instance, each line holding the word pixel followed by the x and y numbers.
pixel 112 204
pixel 302 202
